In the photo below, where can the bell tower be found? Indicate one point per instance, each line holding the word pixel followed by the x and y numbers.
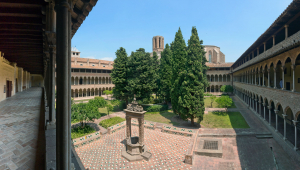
pixel 158 44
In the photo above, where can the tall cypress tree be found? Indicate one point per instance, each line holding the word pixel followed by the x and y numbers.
pixel 178 48
pixel 165 74
pixel 119 75
pixel 140 74
pixel 192 89
pixel 155 69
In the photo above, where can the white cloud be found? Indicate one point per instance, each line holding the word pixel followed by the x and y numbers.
pixel 107 58
pixel 91 57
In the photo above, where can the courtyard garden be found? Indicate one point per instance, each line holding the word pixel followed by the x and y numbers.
pixel 111 121
pixel 223 101
pixel 224 120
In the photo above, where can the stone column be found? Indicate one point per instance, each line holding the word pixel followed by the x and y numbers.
pixel 275 69
pixel 141 131
pixel 226 78
pixel 250 102
pixel 259 110
pixel 268 78
pixel 263 74
pixel 259 78
pixel 218 78
pixel 273 40
pixel 255 105
pixel 52 84
pixel 284 124
pixel 255 78
pixel 276 111
pixel 264 46
pixel 286 31
pixel 293 83
pixel 269 107
pixel 264 104
pixel 128 127
pixel 283 67
pixel 295 124
pixel 222 78
pixel 63 9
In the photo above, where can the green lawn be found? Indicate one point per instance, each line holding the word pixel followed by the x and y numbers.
pixel 111 121
pixel 207 104
pixel 161 117
pixel 103 111
pixel 79 132
pixel 224 120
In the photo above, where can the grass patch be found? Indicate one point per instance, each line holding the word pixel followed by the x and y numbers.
pixel 79 132
pixel 224 120
pixel 103 111
pixel 111 121
pixel 161 117
pixel 207 104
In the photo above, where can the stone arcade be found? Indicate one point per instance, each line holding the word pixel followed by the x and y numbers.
pixel 135 149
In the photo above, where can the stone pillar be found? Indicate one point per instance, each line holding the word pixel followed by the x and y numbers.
pixel 259 78
pixel 256 105
pixel 141 130
pixel 273 40
pixel 264 111
pixel 269 107
pixel 52 84
pixel 263 74
pixel 222 78
pixel 259 109
pixel 275 69
pixel 295 124
pixel 284 124
pixel 283 67
pixel 128 127
pixel 255 78
pixel 218 78
pixel 269 78
pixel 293 67
pixel 286 31
pixel 264 46
pixel 226 78
pixel 276 111
pixel 63 9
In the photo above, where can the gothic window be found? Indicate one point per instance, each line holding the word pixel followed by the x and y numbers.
pixel 209 57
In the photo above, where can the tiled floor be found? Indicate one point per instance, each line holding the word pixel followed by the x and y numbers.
pixel 167 151
pixel 19 129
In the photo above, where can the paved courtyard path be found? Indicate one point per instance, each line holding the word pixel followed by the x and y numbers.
pixel 241 149
pixel 19 131
pixel 167 151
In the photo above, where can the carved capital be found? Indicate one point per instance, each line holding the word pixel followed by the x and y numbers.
pixel 295 122
pixel 50 37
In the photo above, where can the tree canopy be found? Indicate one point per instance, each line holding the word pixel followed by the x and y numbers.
pixel 165 74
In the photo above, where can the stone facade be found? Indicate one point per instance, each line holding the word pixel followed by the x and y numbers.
pixel 158 45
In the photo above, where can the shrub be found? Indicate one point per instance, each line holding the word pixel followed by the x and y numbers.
pixel 157 108
pixel 111 121
pixel 109 108
pixel 212 99
pixel 79 131
pixel 207 94
pixel 122 105
pixel 84 112
pixel 224 101
pixel 226 88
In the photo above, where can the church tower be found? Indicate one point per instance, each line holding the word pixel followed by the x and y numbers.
pixel 158 44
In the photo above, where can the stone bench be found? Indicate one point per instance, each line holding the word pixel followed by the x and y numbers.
pixel 78 142
pixel 116 127
pixel 178 131
pixel 148 125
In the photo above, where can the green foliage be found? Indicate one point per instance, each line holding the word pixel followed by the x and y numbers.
pixel 81 131
pixel 165 74
pixel 157 108
pixel 224 120
pixel 207 94
pixel 115 102
pixel 191 98
pixel 119 75
pixel 84 112
pixel 179 54
pixel 111 121
pixel 107 92
pixel 155 69
pixel 226 88
pixel 98 102
pixel 212 99
pixel 109 108
pixel 224 101
pixel 141 77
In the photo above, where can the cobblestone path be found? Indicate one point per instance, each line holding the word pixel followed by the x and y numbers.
pixel 167 151
pixel 19 128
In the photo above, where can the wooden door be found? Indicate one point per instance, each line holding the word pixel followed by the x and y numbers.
pixel 8 88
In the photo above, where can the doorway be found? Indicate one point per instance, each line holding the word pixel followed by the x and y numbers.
pixel 8 88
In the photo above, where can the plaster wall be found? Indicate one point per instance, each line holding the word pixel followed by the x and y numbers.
pixel 37 80
pixel 7 72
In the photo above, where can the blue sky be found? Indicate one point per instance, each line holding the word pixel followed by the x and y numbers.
pixel 232 25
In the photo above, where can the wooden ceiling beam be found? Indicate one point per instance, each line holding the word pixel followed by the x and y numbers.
pixel 19 5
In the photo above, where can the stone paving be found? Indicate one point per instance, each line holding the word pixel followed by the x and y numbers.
pixel 167 151
pixel 19 128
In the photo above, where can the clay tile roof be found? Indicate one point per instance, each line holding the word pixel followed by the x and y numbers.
pixel 219 65
pixel 82 59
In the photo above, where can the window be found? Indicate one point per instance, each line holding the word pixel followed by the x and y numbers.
pixel 93 65
pixel 81 64
pixel 73 53
pixel 209 57
pixel 103 65
pixel 77 53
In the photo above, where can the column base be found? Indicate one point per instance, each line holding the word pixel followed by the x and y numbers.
pixel 283 89
pixel 284 138
pixel 276 130
pixel 50 125
pixel 295 148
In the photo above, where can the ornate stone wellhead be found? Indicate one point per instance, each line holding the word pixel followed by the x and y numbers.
pixel 135 149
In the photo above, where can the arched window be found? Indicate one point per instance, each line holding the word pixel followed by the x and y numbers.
pixel 209 56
